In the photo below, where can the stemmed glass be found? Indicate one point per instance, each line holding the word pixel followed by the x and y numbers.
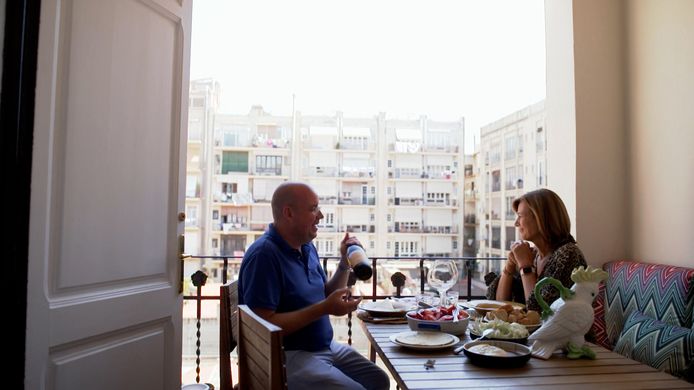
pixel 443 275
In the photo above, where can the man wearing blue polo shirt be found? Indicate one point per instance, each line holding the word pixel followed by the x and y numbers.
pixel 281 280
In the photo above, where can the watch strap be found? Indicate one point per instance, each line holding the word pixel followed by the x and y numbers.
pixel 527 270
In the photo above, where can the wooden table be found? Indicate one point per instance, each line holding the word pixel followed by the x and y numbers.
pixel 608 371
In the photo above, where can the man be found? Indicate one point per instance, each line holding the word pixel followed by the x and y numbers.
pixel 281 280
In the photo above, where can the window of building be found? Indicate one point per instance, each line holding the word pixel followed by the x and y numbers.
pixel 268 165
pixel 540 140
pixel 510 214
pixel 510 178
pixel 496 180
pixel 234 162
pixel 511 146
pixel 510 236
pixel 496 237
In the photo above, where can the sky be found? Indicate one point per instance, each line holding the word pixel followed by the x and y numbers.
pixel 445 59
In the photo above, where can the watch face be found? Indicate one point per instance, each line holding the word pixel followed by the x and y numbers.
pixel 526 270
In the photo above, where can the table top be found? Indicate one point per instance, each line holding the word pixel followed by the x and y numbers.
pixel 451 371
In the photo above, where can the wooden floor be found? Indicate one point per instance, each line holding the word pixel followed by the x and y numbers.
pixel 608 371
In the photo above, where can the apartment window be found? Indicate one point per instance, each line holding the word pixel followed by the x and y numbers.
pixel 540 140
pixel 511 146
pixel 234 162
pixel 510 236
pixel 496 180
pixel 192 187
pixel 510 178
pixel 510 214
pixel 540 173
pixel 191 215
pixel 496 237
pixel 268 165
pixel 495 153
pixel 215 243
pixel 215 214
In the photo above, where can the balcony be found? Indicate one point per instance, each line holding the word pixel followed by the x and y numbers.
pixel 356 200
pixel 320 171
pixel 201 325
pixel 358 228
pixel 268 172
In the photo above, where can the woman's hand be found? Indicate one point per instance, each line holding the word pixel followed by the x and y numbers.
pixel 511 264
pixel 523 254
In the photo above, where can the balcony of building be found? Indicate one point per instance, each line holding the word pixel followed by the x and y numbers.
pixel 200 352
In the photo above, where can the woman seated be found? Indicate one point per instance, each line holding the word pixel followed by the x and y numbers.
pixel 542 220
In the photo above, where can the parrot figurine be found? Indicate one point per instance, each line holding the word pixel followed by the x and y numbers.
pixel 569 318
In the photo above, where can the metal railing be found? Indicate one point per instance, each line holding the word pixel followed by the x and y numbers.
pixel 227 264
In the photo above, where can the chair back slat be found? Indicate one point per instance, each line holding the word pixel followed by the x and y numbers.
pixel 261 353
pixel 228 331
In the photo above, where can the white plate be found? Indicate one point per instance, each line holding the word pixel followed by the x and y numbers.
pixel 453 341
pixel 377 310
pixel 489 305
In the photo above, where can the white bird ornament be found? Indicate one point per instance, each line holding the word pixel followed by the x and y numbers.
pixel 568 319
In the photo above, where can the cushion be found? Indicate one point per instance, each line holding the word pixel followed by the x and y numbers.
pixel 665 293
pixel 666 347
pixel 598 333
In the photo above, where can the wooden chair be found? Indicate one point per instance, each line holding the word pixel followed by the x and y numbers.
pixel 261 353
pixel 228 331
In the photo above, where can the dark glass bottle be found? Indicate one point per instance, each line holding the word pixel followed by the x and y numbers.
pixel 359 262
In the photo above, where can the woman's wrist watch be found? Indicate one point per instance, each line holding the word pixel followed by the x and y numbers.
pixel 527 270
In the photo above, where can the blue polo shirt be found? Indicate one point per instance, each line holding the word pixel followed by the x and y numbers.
pixel 278 277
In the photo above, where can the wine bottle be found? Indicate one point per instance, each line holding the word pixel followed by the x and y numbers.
pixel 359 262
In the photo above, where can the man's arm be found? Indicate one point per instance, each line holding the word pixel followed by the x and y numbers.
pixel 338 303
pixel 339 279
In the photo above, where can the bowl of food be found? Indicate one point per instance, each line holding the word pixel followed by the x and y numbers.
pixel 484 306
pixel 499 330
pixel 514 314
pixel 496 353
pixel 438 319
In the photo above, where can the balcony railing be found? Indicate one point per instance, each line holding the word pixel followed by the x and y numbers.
pixel 202 329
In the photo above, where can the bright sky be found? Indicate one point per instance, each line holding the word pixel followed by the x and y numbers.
pixel 445 59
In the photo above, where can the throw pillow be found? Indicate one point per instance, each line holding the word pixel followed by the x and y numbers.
pixel 666 347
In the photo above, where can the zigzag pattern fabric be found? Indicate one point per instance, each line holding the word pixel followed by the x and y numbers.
pixel 663 346
pixel 665 293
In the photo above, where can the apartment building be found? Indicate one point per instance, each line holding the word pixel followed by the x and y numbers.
pixel 394 183
pixel 511 161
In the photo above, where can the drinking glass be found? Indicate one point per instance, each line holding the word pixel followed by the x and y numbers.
pixel 443 275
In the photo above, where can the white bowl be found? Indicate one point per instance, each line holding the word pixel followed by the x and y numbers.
pixel 454 328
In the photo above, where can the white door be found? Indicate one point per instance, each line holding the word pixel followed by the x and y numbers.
pixel 108 177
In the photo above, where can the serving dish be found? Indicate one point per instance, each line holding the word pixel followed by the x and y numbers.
pixel 428 340
pixel 518 355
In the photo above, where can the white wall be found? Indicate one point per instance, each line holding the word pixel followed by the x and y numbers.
pixel 621 127
pixel 661 116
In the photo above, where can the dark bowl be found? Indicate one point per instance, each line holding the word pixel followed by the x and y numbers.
pixel 523 341
pixel 520 354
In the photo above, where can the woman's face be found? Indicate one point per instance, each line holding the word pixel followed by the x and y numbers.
pixel 525 222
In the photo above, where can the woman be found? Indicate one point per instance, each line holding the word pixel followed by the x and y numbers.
pixel 543 220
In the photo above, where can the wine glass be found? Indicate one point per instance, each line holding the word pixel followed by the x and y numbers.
pixel 443 275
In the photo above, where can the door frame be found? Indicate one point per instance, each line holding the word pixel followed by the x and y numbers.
pixel 20 50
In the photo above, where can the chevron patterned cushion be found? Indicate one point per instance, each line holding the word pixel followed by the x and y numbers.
pixel 598 333
pixel 665 293
pixel 665 347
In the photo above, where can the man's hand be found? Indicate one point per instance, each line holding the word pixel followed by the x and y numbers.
pixel 341 302
pixel 347 241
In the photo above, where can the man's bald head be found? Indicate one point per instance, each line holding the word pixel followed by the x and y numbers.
pixel 286 194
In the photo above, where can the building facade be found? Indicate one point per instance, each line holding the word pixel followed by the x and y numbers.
pixel 511 161
pixel 396 184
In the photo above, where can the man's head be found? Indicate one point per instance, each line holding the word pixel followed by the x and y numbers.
pixel 296 213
